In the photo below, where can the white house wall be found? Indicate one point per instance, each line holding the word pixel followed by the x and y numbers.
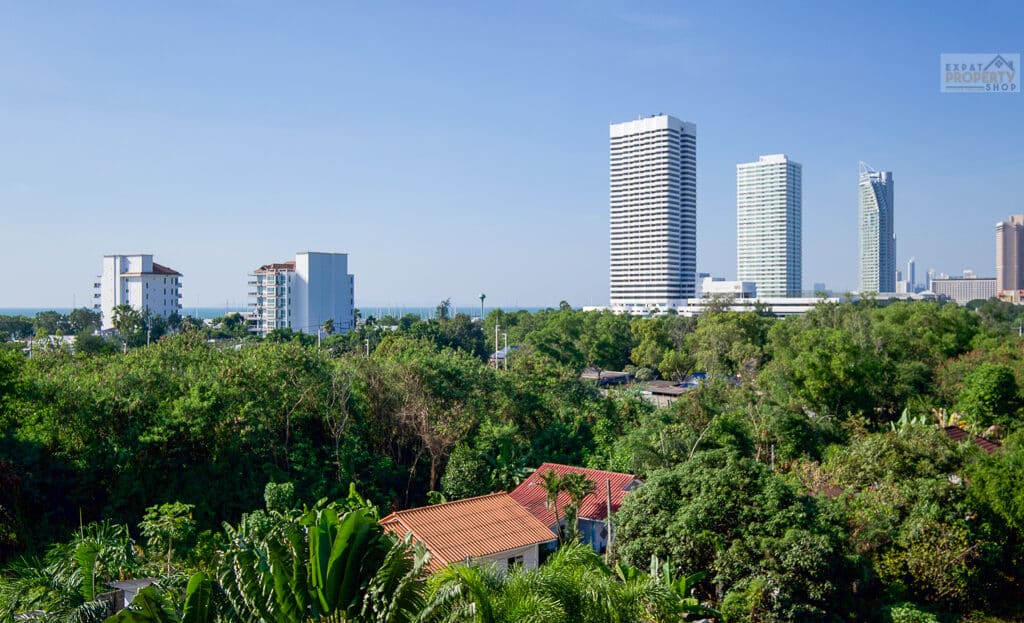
pixel 530 554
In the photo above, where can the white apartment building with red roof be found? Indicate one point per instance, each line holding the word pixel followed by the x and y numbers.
pixel 139 282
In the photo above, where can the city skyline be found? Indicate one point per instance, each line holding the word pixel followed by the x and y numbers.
pixel 411 138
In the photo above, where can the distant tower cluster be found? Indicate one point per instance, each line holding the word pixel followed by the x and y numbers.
pixel 653 232
pixel 877 241
pixel 1010 254
pixel 768 225
pixel 653 213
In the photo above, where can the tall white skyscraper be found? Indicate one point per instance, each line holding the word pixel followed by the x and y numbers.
pixel 911 274
pixel 877 241
pixel 768 225
pixel 653 212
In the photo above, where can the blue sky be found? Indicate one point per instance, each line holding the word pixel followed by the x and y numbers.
pixel 453 148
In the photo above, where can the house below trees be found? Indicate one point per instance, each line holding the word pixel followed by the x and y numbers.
pixel 486 529
pixel 593 511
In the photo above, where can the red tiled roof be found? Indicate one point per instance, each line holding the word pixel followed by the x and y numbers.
pixel 473 527
pixel 959 435
pixel 531 494
pixel 160 269
pixel 289 265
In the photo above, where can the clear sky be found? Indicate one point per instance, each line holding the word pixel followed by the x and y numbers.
pixel 454 148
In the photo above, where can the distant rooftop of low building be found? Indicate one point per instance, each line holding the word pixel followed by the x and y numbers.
pixel 277 267
pixel 959 435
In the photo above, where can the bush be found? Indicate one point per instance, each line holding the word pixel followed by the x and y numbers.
pixel 909 613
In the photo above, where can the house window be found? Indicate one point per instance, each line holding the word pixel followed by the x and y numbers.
pixel 515 561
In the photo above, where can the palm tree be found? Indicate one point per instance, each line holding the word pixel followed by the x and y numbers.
pixel 573 585
pixel 552 487
pixel 68 583
pixel 578 486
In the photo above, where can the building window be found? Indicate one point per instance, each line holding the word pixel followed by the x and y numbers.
pixel 515 561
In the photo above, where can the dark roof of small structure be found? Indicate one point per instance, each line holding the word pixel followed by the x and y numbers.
pixel 959 435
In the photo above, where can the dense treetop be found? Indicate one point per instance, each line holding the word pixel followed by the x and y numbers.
pixel 808 476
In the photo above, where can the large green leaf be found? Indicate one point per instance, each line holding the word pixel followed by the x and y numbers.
pixel 355 556
pixel 85 557
pixel 147 607
pixel 198 600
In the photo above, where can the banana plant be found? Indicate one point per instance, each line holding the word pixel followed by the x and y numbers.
pixel 682 587
pixel 149 606
pixel 322 567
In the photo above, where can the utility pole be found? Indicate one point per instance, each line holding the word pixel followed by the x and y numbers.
pixel 318 337
pixel 495 345
pixel 608 518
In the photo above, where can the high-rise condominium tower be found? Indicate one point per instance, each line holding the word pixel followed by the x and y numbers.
pixel 768 225
pixel 1010 254
pixel 303 294
pixel 877 241
pixel 653 212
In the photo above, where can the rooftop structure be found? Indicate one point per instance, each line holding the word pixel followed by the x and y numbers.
pixel 717 286
pixel 965 289
pixel 594 507
pixel 959 435
pixel 490 529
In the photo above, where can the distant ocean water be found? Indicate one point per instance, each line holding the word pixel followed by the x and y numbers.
pixel 376 311
pixel 379 311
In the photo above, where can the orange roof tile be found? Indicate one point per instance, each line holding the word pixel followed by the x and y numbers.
pixel 473 527
pixel 531 494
